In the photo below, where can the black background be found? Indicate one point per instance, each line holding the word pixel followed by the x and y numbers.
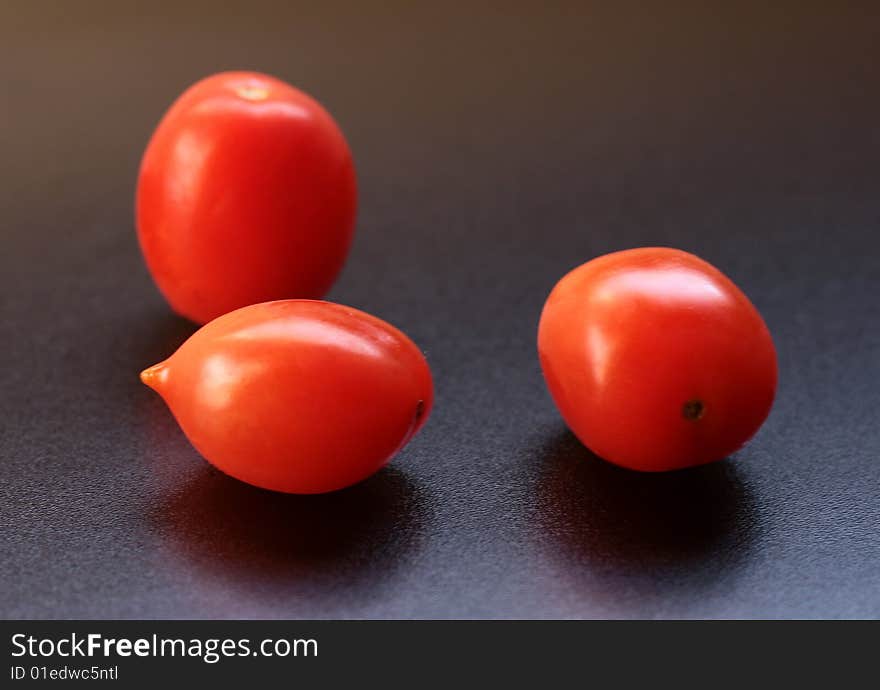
pixel 497 147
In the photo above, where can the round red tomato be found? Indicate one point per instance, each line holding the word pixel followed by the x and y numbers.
pixel 246 194
pixel 298 396
pixel 656 360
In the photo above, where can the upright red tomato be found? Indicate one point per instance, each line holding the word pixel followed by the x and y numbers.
pixel 656 360
pixel 298 396
pixel 246 194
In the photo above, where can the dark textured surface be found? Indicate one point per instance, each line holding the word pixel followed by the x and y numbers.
pixel 496 149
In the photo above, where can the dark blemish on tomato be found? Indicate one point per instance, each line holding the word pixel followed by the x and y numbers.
pixel 414 424
pixel 693 409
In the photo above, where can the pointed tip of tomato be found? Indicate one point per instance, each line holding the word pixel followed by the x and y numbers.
pixel 155 375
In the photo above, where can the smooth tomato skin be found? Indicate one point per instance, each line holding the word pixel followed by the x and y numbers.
pixel 656 360
pixel 298 396
pixel 246 194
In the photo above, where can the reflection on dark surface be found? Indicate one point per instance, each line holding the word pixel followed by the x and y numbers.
pixel 163 333
pixel 244 533
pixel 610 518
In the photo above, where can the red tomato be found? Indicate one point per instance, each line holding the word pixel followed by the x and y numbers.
pixel 298 396
pixel 246 194
pixel 656 360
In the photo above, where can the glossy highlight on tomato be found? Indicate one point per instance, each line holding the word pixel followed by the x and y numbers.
pixel 656 360
pixel 246 194
pixel 298 396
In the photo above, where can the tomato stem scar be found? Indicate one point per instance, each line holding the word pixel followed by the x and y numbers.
pixel 693 409
pixel 253 93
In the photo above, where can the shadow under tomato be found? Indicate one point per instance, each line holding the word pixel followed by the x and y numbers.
pixel 691 523
pixel 323 543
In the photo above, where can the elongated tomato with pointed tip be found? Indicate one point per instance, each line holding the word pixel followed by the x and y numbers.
pixel 246 194
pixel 656 360
pixel 298 396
